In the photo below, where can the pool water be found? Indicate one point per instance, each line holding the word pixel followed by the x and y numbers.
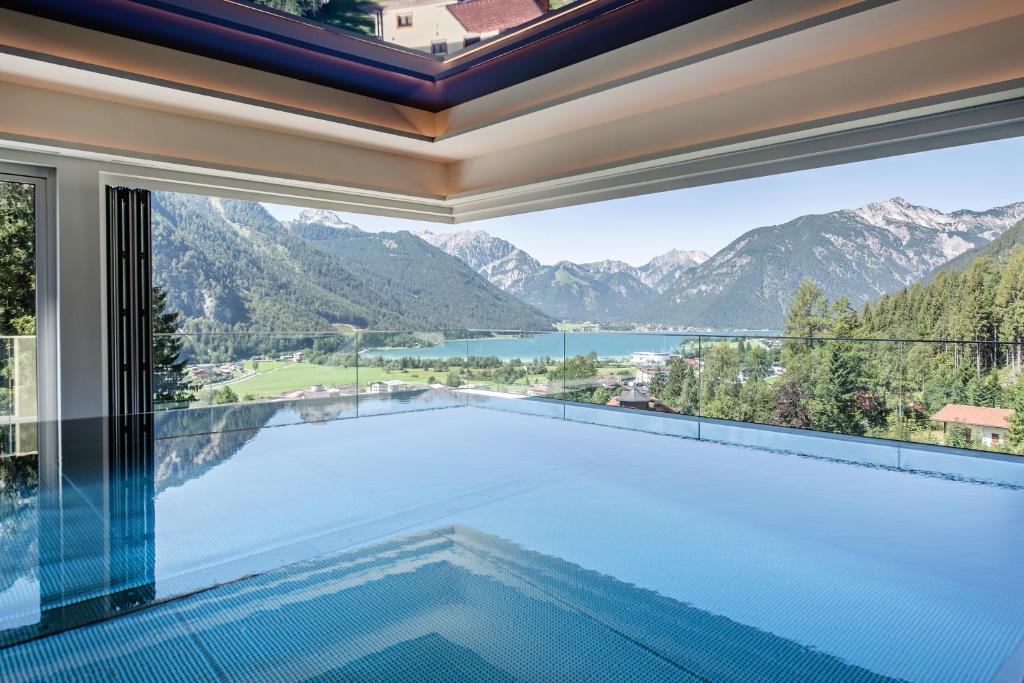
pixel 470 544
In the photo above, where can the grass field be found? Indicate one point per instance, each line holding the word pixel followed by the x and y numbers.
pixel 274 378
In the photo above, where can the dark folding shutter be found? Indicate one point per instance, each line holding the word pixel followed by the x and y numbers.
pixel 129 300
pixel 130 357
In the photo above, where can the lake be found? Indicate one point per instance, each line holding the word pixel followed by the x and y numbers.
pixel 606 344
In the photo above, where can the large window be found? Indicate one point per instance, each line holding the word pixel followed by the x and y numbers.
pixel 850 310
pixel 17 314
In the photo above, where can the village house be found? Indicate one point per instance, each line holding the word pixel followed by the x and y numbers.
pixel 646 375
pixel 650 359
pixel 443 26
pixel 388 386
pixel 988 425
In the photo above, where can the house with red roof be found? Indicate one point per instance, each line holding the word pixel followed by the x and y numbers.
pixel 988 425
pixel 444 26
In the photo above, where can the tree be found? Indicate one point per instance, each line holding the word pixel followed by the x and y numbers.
pixel 17 259
pixel 224 395
pixel 454 379
pixel 658 384
pixel 600 396
pixel 837 389
pixel 346 14
pixel 944 383
pixel 791 405
pixel 1009 302
pixel 1015 435
pixel 576 368
pixel 806 318
pixel 984 390
pixel 719 381
pixel 170 383
pixel 682 390
pixel 958 436
pixel 755 401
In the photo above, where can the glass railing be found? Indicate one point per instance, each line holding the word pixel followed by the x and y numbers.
pixel 18 401
pixel 954 393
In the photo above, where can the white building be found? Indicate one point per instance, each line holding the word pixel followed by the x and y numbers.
pixel 646 375
pixel 388 386
pixel 443 26
pixel 650 358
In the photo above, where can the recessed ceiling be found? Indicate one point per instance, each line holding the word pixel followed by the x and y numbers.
pixel 250 33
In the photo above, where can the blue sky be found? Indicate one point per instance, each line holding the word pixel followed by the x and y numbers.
pixel 708 218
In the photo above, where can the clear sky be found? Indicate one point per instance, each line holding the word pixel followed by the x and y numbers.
pixel 635 229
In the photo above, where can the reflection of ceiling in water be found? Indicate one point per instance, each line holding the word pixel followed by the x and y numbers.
pixel 447 604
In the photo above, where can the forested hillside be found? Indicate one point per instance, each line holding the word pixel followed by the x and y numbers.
pixel 977 297
pixel 230 266
pixel 419 282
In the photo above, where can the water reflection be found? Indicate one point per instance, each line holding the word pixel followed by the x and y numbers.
pixel 78 527
pixel 19 538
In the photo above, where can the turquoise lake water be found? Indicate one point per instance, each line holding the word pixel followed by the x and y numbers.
pixel 605 344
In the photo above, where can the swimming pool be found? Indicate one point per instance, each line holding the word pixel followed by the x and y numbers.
pixel 462 543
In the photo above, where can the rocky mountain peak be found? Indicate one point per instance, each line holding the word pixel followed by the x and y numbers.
pixel 898 211
pixel 324 217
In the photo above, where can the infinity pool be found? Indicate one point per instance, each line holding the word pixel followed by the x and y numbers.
pixel 470 544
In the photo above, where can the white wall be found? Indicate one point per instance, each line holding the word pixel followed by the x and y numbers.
pixel 429 23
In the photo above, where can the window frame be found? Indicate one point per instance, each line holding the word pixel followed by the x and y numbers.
pixel 47 305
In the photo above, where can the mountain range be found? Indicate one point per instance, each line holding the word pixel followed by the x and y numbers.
pixel 859 253
pixel 229 265
pixel 604 290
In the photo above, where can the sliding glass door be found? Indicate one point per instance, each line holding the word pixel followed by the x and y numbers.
pixel 25 368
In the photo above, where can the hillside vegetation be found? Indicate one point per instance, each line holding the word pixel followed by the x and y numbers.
pixel 229 266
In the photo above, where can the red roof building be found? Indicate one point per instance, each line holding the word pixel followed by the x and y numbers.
pixel 485 16
pixel 987 425
pixel 974 415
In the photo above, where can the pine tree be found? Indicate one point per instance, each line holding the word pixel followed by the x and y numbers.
pixel 1015 436
pixel 171 386
pixel 984 390
pixel 837 389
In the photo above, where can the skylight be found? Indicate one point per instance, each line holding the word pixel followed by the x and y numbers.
pixel 426 54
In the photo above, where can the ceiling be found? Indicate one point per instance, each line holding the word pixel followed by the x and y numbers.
pixel 722 91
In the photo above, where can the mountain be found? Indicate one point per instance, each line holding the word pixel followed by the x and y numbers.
pixel 603 290
pixel 420 282
pixel 860 253
pixel 570 291
pixel 999 249
pixel 230 266
pixel 977 295
pixel 323 217
pixel 502 263
pixel 662 271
